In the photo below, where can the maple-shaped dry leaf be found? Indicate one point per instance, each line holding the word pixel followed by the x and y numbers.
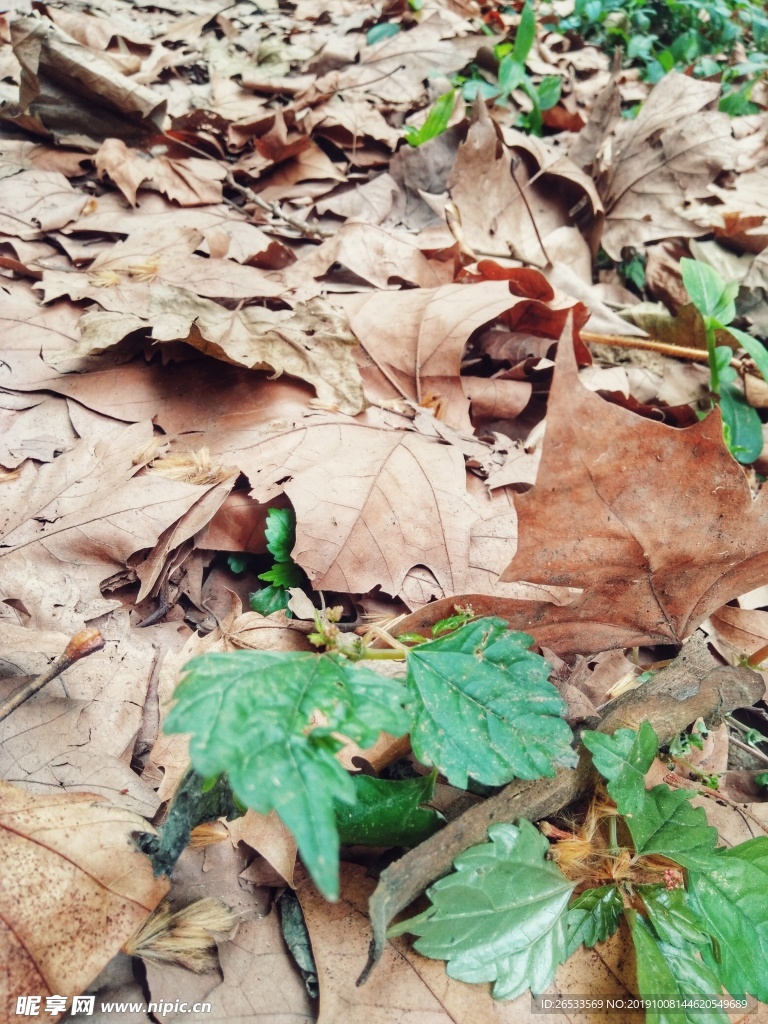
pixel 74 889
pixel 656 524
pixel 189 180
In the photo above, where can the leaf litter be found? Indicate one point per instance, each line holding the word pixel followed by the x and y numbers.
pixel 229 283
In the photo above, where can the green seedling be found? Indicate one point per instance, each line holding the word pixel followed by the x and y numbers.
pixel 715 300
pixel 281 539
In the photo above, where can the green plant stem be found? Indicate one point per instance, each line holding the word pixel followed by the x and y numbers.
pixel 613 836
pixel 711 344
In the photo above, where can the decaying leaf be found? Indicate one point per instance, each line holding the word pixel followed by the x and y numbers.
pixel 69 862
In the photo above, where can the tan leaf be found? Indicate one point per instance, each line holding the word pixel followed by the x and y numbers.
pixel 135 275
pixel 73 93
pixel 266 834
pixel 646 169
pixel 416 338
pixel 69 862
pixel 312 342
pixel 37 201
pixel 189 180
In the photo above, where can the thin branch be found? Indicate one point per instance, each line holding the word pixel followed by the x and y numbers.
pixel 651 345
pixel 80 646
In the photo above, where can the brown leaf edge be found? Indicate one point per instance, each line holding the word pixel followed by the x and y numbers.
pixel 692 686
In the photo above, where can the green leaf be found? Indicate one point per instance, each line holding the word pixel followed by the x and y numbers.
pixel 525 35
pixel 623 759
pixel 283 574
pixel 754 348
pixel 482 707
pixel 709 293
pixel 548 91
pixel 268 600
pixel 280 532
pixel 594 916
pixel 384 30
pixel 742 428
pixel 250 714
pixel 238 563
pixel 511 74
pixel 501 916
pixel 436 122
pixel 389 813
pixel 728 892
pixel 670 914
pixel 671 973
pixel 666 824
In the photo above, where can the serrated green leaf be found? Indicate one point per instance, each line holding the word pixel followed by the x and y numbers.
pixel 670 914
pixel 712 296
pixel 280 532
pixel 728 892
pixel 623 759
pixel 594 916
pixel 387 813
pixel 668 825
pixel 501 915
pixel 268 599
pixel 283 574
pixel 482 707
pixel 669 973
pixel 250 714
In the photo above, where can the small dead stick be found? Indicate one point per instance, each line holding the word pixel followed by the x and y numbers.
pixel 688 689
pixel 80 646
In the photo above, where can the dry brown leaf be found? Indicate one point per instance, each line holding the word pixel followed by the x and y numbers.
pixel 668 540
pixel 129 278
pixel 189 180
pixel 383 258
pixel 78 734
pixel 69 862
pixel 38 201
pixel 502 212
pixel 312 342
pixel 74 94
pixel 648 168
pixel 266 834
pixel 260 980
pixel 416 338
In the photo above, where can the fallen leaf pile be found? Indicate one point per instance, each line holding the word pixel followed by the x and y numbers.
pixel 228 285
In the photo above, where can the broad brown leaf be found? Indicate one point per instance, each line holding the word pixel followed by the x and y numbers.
pixel 656 524
pixel 74 890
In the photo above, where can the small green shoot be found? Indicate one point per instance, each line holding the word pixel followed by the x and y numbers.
pixel 436 122
pixel 715 300
pixel 281 538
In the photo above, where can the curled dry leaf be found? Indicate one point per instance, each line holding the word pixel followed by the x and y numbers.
pixel 69 862
pixel 188 180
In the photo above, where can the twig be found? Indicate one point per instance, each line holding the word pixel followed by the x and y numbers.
pixel 304 229
pixel 651 345
pixel 752 750
pixel 80 646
